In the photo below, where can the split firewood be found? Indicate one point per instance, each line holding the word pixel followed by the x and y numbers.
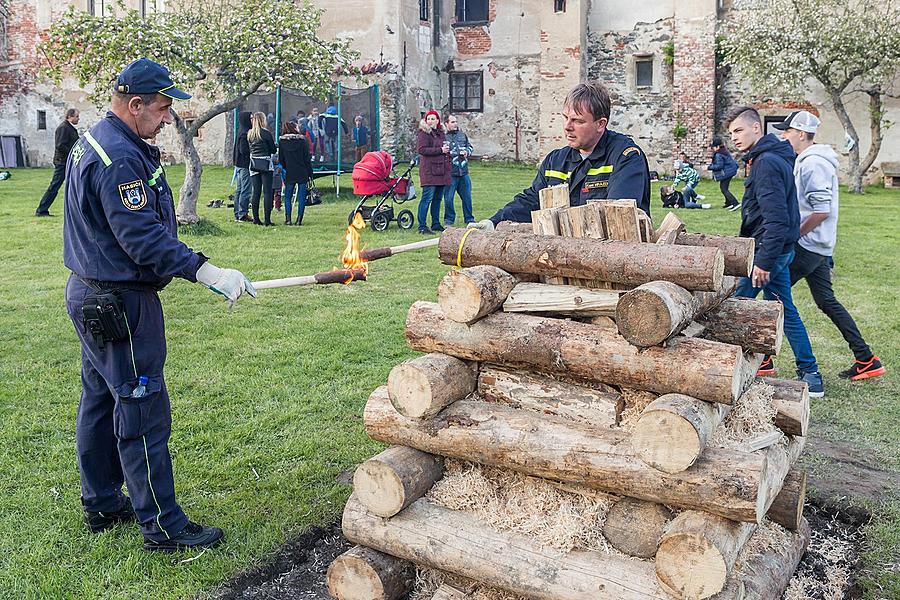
pixel 539 393
pixel 514 227
pixel 365 574
pixel 738 251
pixel 668 229
pixel 693 268
pixel 546 222
pixel 466 295
pixel 700 368
pixel 585 221
pixel 645 227
pixel 395 478
pixel 421 387
pixel 791 400
pixel 729 483
pixel 555 196
pixel 568 300
pixel 459 543
pixel 621 220
pixel 635 527
pixel 448 592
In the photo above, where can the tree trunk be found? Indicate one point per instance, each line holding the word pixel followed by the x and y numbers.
pixel 787 509
pixel 466 295
pixel 697 553
pixel 738 251
pixel 699 368
pixel 459 543
pixel 365 574
pixel 421 387
pixel 193 169
pixel 729 483
pixel 618 262
pixel 791 400
pixel 853 166
pixel 635 527
pixel 672 432
pixel 755 325
pixel 394 479
pixel 545 395
pixel 569 300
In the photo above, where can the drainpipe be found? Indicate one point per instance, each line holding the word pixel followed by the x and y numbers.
pixel 516 122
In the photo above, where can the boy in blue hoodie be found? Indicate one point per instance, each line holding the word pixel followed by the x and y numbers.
pixel 771 216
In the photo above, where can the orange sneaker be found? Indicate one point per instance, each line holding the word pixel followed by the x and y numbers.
pixel 767 368
pixel 863 370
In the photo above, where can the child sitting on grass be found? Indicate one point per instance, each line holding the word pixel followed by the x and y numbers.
pixel 684 173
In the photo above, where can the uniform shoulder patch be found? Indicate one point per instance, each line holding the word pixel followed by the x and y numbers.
pixel 78 151
pixel 631 149
pixel 133 195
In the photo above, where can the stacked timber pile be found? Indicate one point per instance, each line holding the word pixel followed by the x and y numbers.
pixel 600 434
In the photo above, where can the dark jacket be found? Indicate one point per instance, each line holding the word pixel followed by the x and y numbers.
pixel 264 146
pixel 459 142
pixel 329 121
pixel 616 169
pixel 65 137
pixel 723 165
pixel 241 155
pixel 770 213
pixel 293 154
pixel 434 166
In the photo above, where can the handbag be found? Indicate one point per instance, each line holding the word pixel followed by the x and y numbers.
pixel 261 164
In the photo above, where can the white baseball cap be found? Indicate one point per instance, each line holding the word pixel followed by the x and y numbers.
pixel 801 120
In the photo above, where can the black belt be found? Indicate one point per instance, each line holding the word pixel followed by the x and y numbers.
pixel 136 286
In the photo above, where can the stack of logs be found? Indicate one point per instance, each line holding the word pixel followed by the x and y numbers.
pixel 524 376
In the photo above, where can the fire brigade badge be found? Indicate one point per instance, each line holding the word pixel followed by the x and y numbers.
pixel 132 195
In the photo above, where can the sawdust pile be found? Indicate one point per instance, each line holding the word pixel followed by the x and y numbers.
pixel 752 415
pixel 553 515
pixel 827 568
pixel 429 580
pixel 635 403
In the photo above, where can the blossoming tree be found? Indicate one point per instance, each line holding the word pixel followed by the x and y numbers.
pixel 847 46
pixel 220 50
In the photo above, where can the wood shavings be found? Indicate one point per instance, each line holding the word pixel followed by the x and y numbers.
pixel 635 403
pixel 752 415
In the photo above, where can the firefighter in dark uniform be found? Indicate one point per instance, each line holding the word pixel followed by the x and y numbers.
pixel 119 240
pixel 597 164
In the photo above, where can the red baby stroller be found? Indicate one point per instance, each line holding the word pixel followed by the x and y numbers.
pixel 373 175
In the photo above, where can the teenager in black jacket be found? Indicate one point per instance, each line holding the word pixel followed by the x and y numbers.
pixel 293 154
pixel 262 147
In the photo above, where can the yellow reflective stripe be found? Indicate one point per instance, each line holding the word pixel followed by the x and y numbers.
pixel 152 492
pixel 600 170
pixel 155 174
pixel 100 151
pixel 557 174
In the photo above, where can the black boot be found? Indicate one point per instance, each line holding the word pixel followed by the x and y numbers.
pixel 101 521
pixel 193 536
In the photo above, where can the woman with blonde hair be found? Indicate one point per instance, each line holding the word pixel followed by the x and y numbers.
pixel 262 150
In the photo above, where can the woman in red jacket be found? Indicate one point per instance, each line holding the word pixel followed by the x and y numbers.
pixel 434 170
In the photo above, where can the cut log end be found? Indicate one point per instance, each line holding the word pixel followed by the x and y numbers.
pixel 686 580
pixel 365 574
pixel 650 314
pixel 379 487
pixel 410 390
pixel 459 297
pixel 422 387
pixel 666 441
pixel 634 526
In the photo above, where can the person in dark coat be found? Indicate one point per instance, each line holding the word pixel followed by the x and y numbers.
pixel 771 216
pixel 242 168
pixel 723 168
pixel 262 148
pixel 293 154
pixel 434 170
pixel 65 137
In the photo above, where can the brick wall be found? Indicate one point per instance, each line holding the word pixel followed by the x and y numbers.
pixel 17 67
pixel 475 40
pixel 694 85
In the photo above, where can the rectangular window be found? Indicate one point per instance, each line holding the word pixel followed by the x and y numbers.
pixel 559 6
pixel 423 10
pixel 643 73
pixel 471 11
pixel 42 119
pixel 466 93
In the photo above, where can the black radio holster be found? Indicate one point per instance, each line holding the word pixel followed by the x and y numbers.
pixel 104 315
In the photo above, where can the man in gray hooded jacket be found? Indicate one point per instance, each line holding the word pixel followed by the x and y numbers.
pixel 815 175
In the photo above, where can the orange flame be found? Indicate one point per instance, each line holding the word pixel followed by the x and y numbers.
pixel 350 257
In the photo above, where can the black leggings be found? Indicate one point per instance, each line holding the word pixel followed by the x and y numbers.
pixel 261 185
pixel 730 200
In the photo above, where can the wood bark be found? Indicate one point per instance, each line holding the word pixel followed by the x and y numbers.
pixel 654 312
pixel 635 527
pixel 514 227
pixel 459 543
pixel 754 325
pixel 673 431
pixel 699 368
pixel 466 295
pixel 619 262
pixel 546 222
pixel 791 400
pixel 365 574
pixel 729 483
pixel 668 229
pixel 570 300
pixel 779 460
pixel 787 509
pixel 421 387
pixel 395 478
pixel 539 393
pixel 738 251
pixel 765 576
pixel 697 553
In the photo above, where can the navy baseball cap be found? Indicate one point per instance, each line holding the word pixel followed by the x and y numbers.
pixel 144 76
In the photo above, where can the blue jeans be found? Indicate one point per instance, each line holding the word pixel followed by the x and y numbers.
pixel 690 194
pixel 432 195
pixel 242 193
pixel 289 196
pixel 779 288
pixel 463 186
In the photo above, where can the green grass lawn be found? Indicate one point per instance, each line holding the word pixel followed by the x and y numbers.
pixel 267 398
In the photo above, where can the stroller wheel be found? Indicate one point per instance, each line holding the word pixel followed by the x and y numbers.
pixel 352 215
pixel 405 219
pixel 380 221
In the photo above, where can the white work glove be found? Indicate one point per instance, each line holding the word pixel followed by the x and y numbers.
pixel 231 283
pixel 485 225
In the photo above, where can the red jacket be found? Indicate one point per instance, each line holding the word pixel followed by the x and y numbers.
pixel 434 165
